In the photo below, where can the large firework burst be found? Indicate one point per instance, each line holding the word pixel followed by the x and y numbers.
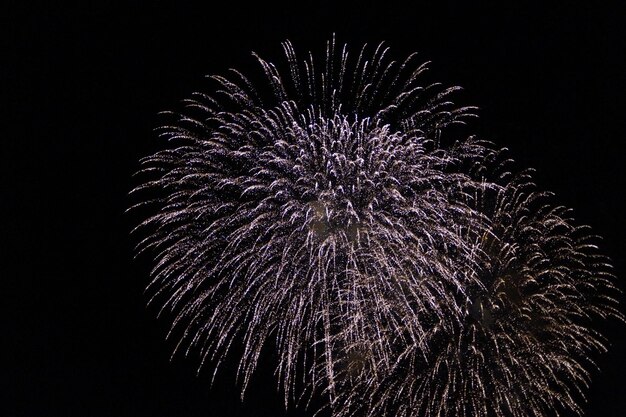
pixel 325 208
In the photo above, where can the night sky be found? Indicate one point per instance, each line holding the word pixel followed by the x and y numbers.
pixel 81 86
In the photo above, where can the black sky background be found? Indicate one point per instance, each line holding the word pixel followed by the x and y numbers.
pixel 82 84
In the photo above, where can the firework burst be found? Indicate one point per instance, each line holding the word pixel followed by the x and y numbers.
pixel 523 347
pixel 329 214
